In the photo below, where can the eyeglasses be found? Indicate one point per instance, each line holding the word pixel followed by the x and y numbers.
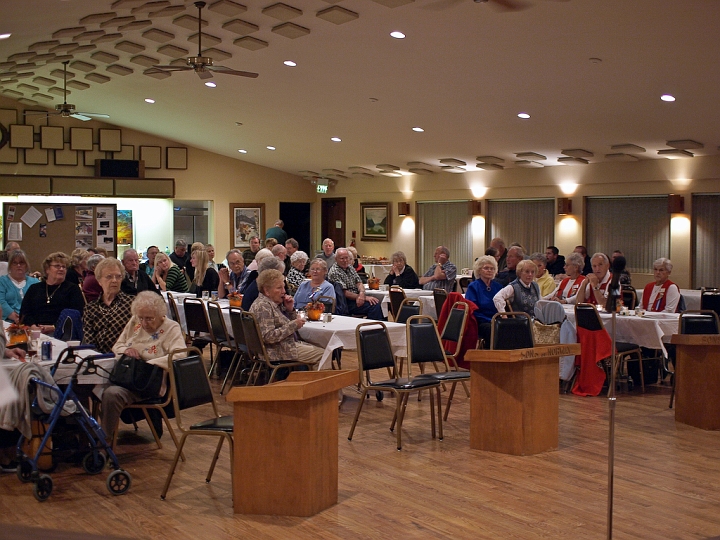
pixel 147 319
pixel 111 277
pixel 316 269
pixel 58 266
pixel 19 263
pixel 488 268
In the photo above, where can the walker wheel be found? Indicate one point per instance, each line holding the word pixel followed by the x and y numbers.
pixel 24 471
pixel 94 462
pixel 43 487
pixel 118 482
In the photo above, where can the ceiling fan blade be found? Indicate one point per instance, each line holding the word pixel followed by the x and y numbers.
pixel 203 73
pixel 229 71
pixel 510 5
pixel 80 116
pixel 172 68
pixel 90 115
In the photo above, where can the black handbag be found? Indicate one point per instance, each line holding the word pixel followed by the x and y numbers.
pixel 138 376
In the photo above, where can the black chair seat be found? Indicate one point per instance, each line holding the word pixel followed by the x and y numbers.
pixel 224 423
pixel 622 346
pixel 404 383
pixel 446 376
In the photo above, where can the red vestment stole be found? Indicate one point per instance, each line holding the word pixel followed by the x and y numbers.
pixel 659 302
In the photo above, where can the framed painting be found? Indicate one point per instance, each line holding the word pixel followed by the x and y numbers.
pixel 375 221
pixel 246 219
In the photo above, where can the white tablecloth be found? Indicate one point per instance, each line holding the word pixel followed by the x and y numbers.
pixel 649 331
pixel 380 271
pixel 341 333
pixel 692 297
pixel 425 296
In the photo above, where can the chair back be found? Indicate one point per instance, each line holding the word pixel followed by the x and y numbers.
pixel 704 321
pixel 69 325
pixel 237 328
pixel 374 351
pixel 439 295
pixel 455 324
pixel 463 283
pixel 217 323
pixel 710 299
pixel 587 317
pixel 511 330
pixel 173 311
pixel 629 297
pixel 423 341
pixel 189 383
pixel 253 338
pixel 196 317
pixel 397 295
pixel 408 308
pixel 328 302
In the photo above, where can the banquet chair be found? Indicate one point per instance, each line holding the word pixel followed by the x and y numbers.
pixel 453 332
pixel 198 327
pixel 173 311
pixel 190 388
pixel 703 321
pixel 629 296
pixel 408 308
pixel 241 351
pixel 374 352
pixel 588 318
pixel 258 354
pixel 221 336
pixel 440 296
pixel 328 302
pixel 710 299
pixel 160 404
pixel 424 345
pixel 397 295
pixel 511 330
pixel 463 283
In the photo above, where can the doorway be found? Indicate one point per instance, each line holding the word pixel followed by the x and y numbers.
pixel 333 221
pixel 297 223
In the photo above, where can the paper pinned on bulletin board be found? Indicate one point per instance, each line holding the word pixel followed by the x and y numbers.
pixel 14 232
pixel 31 216
pixel 50 214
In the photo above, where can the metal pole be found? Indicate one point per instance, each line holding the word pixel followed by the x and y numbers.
pixel 611 434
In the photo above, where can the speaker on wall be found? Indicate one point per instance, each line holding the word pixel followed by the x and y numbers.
pixel 120 168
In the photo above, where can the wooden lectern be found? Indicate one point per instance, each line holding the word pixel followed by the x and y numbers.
pixel 286 444
pixel 514 398
pixel 697 380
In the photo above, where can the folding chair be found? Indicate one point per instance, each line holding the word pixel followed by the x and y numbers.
pixel 397 295
pixel 511 330
pixel 453 331
pixel 197 322
pixel 439 295
pixel 241 350
pixel 220 335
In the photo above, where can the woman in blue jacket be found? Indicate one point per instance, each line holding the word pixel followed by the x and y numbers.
pixel 14 285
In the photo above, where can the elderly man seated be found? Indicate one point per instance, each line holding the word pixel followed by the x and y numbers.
pixel 232 276
pixel 328 252
pixel 514 255
pixel 662 294
pixel 595 285
pixel 440 275
pixel 134 280
pixel 345 275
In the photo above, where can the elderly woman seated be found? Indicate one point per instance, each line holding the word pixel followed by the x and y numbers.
pixel 105 318
pixel 316 287
pixel 90 287
pixel 149 335
pixel 523 293
pixel 252 291
pixel 14 285
pixel 44 301
pixel 278 321
pixel 402 273
pixel 481 292
pixel 295 276
pixel 662 294
pixel 566 291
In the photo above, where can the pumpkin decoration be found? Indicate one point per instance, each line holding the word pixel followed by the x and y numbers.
pixel 235 299
pixel 374 283
pixel 18 336
pixel 315 310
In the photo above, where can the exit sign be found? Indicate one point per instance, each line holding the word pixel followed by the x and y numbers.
pixel 322 189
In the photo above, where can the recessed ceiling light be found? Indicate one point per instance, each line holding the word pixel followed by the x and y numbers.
pixel 289 63
pixel 5 36
pixel 523 115
pixel 149 100
pixel 397 35
pixel 242 151
pixel 667 97
pixel 270 147
pixel 418 129
pixel 210 84
pixel 335 139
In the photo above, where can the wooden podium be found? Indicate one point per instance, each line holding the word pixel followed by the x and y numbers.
pixel 286 444
pixel 514 398
pixel 697 380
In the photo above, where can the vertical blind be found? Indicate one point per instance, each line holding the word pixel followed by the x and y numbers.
pixel 531 223
pixel 446 224
pixel 637 226
pixel 706 223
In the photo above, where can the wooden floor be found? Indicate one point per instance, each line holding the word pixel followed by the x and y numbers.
pixel 667 482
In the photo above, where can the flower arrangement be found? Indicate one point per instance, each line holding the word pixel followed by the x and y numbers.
pixel 315 310
pixel 18 335
pixel 235 299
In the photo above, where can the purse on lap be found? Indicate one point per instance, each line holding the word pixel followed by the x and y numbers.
pixel 138 376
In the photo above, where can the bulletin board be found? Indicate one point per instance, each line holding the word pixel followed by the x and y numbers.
pixel 41 229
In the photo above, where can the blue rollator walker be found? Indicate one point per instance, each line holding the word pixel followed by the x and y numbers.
pixel 118 481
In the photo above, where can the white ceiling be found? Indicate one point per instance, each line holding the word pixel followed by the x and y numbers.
pixel 463 73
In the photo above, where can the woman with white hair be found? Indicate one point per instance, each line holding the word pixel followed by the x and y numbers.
pixel 663 294
pixel 253 269
pixel 295 276
pixel 522 293
pixel 150 336
pixel 481 293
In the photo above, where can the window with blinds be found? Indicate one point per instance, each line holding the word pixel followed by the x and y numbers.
pixel 637 226
pixel 444 223
pixel 531 223
pixel 706 224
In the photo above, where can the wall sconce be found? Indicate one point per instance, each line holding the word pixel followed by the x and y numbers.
pixel 476 207
pixel 403 209
pixel 564 206
pixel 676 204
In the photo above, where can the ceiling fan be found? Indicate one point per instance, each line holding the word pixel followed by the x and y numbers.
pixel 202 65
pixel 67 110
pixel 499 5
